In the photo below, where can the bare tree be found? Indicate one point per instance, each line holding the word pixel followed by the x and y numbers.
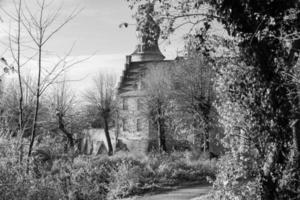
pixel 16 55
pixel 157 86
pixel 10 110
pixel 103 98
pixel 62 102
pixel 38 27
pixel 193 93
pixel 18 9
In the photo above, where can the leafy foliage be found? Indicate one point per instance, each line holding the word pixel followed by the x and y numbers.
pixel 91 178
pixel 255 96
pixel 192 93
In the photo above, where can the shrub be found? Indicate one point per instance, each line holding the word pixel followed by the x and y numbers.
pixel 126 179
pixel 233 182
pixel 13 185
pixel 134 175
pixel 67 177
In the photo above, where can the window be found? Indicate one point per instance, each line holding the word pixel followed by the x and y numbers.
pixel 125 125
pixel 139 104
pixel 125 104
pixel 139 125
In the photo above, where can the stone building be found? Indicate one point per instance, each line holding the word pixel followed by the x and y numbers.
pixel 133 128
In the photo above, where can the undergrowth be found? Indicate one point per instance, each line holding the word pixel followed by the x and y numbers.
pixel 99 177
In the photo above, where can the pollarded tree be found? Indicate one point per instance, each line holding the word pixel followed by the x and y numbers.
pixel 102 97
pixel 62 107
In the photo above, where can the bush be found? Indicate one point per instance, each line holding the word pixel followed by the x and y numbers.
pixel 136 175
pixel 13 185
pixel 98 177
pixel 233 181
pixel 126 179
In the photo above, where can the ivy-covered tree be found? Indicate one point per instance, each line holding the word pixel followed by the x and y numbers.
pixel 257 98
pixel 193 96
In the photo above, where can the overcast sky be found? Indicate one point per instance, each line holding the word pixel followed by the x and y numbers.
pixel 95 31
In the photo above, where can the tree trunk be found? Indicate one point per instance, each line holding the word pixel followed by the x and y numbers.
pixel 268 188
pixel 296 138
pixel 292 61
pixel 293 58
pixel 19 70
pixel 296 141
pixel 161 128
pixel 161 135
pixel 204 142
pixel 207 140
pixel 21 151
pixel 106 130
pixel 61 126
pixel 21 128
pixel 34 127
pixel 37 104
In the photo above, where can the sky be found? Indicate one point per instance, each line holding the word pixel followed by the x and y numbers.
pixel 94 33
pixel 94 29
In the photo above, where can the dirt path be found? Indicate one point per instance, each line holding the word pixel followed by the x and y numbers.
pixel 179 194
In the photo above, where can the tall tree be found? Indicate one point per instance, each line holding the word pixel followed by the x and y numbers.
pixel 102 97
pixel 62 105
pixel 38 28
pixel 192 91
pixel 257 100
pixel 157 83
pixel 15 40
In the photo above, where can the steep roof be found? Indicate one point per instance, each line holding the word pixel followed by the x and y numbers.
pixel 133 72
pixel 147 50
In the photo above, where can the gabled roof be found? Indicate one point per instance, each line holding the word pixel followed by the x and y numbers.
pixel 133 72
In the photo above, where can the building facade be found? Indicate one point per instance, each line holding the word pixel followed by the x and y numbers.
pixel 134 128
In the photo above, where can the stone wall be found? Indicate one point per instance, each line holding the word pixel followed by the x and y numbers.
pixel 133 124
pixel 144 137
pixel 137 132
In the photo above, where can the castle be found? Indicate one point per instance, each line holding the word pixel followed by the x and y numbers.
pixel 133 126
pixel 134 129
